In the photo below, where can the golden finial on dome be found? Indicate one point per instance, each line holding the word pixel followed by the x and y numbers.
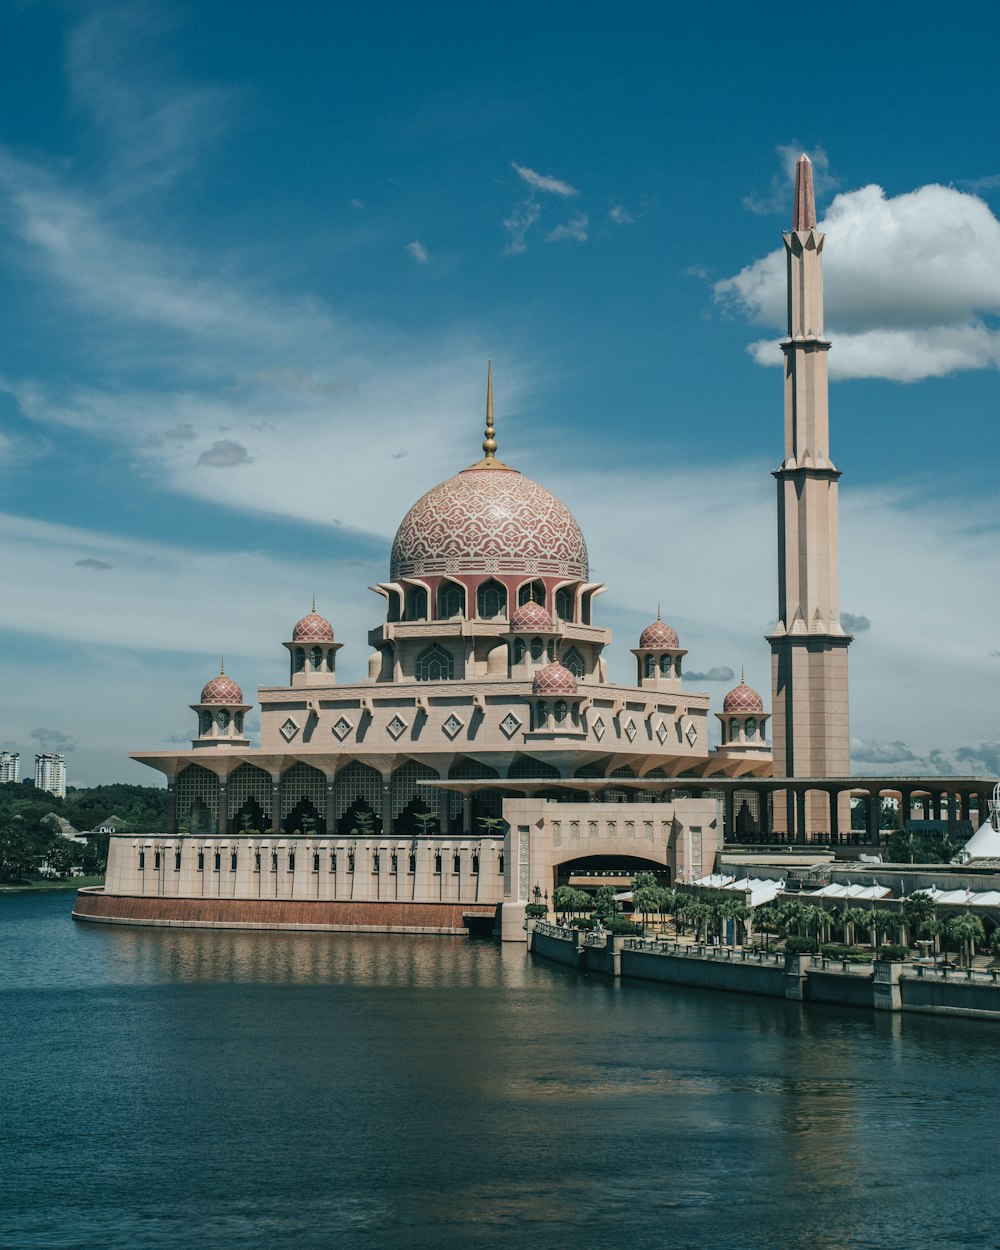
pixel 489 460
pixel 314 602
pixel 222 666
pixel 489 442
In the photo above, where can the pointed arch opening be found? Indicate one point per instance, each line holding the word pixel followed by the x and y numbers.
pixel 491 600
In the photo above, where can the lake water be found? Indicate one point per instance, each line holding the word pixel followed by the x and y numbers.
pixel 212 1090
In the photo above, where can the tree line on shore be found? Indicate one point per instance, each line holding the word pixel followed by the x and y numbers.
pixel 32 844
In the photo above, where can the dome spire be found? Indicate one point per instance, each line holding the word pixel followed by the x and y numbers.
pixel 489 460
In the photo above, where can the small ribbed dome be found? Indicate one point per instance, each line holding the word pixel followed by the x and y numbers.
pixel 743 698
pixel 222 689
pixel 554 679
pixel 313 628
pixel 659 634
pixel 530 617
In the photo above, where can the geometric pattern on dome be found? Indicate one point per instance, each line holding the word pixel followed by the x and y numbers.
pixel 743 699
pixel 553 679
pixel 659 634
pixel 313 628
pixel 528 617
pixel 489 520
pixel 221 689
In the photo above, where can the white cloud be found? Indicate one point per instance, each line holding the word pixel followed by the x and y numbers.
pixel 575 228
pixel 418 252
pixel 910 282
pixel 620 215
pixel 544 182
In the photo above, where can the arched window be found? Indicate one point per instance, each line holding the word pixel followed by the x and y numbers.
pixel 541 714
pixel 316 659
pixel 734 729
pixel 238 722
pixel 222 719
pixel 491 600
pixel 564 604
pixel 534 591
pixel 435 664
pixel 573 660
pixel 456 863
pixel 329 660
pixel 206 722
pixel 300 659
pixel 750 728
pixel 519 650
pixel 451 601
pixel 475 865
pixel 537 648
pixel 650 665
pixel 416 604
pixel 664 665
pixel 561 710
pixel 392 608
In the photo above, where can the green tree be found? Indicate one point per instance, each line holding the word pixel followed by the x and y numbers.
pixel 698 916
pixel 426 822
pixel 18 855
pixel 917 908
pixel 887 923
pixel 605 904
pixel 965 931
pixel 856 920
pixel 645 894
pixel 730 909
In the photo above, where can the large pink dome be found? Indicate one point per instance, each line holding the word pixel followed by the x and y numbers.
pixel 313 628
pixel 492 520
pixel 222 689
pixel 743 698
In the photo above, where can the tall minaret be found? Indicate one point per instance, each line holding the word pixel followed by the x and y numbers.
pixel 808 646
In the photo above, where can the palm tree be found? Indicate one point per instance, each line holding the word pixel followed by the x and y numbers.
pixel 732 909
pixel 699 915
pixel 884 922
pixel 965 931
pixel 855 918
pixel 792 916
pixel 768 918
pixel 917 908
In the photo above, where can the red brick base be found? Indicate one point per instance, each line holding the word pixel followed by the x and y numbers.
pixel 227 913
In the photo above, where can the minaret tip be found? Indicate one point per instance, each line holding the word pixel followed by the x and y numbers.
pixel 314 601
pixel 222 666
pixel 804 209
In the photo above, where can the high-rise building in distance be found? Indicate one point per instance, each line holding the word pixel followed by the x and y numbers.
pixel 10 766
pixel 50 774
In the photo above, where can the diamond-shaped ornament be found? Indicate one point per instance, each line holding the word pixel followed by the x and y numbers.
pixel 598 729
pixel 289 729
pixel 510 724
pixel 691 735
pixel 342 728
pixel 452 725
pixel 661 733
pixel 630 729
pixel 396 726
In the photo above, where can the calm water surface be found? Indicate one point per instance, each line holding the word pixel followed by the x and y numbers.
pixel 221 1090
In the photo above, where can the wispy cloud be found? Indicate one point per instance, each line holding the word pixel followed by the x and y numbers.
pixel 854 623
pixel 54 740
pixel 544 182
pixel 419 253
pixel 575 229
pixel 620 215
pixel 225 454
pixel 525 214
pixel 777 199
pixel 911 284
pixel 90 563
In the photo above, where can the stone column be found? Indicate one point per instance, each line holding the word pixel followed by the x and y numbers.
pixel 834 816
pixel 386 805
pixel 872 805
pixel 800 815
pixel 729 819
pixel 275 807
pixel 172 809
pixel 331 805
pixel 222 817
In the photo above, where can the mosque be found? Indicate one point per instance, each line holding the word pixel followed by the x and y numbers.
pixel 486 758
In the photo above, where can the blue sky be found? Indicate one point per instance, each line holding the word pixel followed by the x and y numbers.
pixel 254 263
